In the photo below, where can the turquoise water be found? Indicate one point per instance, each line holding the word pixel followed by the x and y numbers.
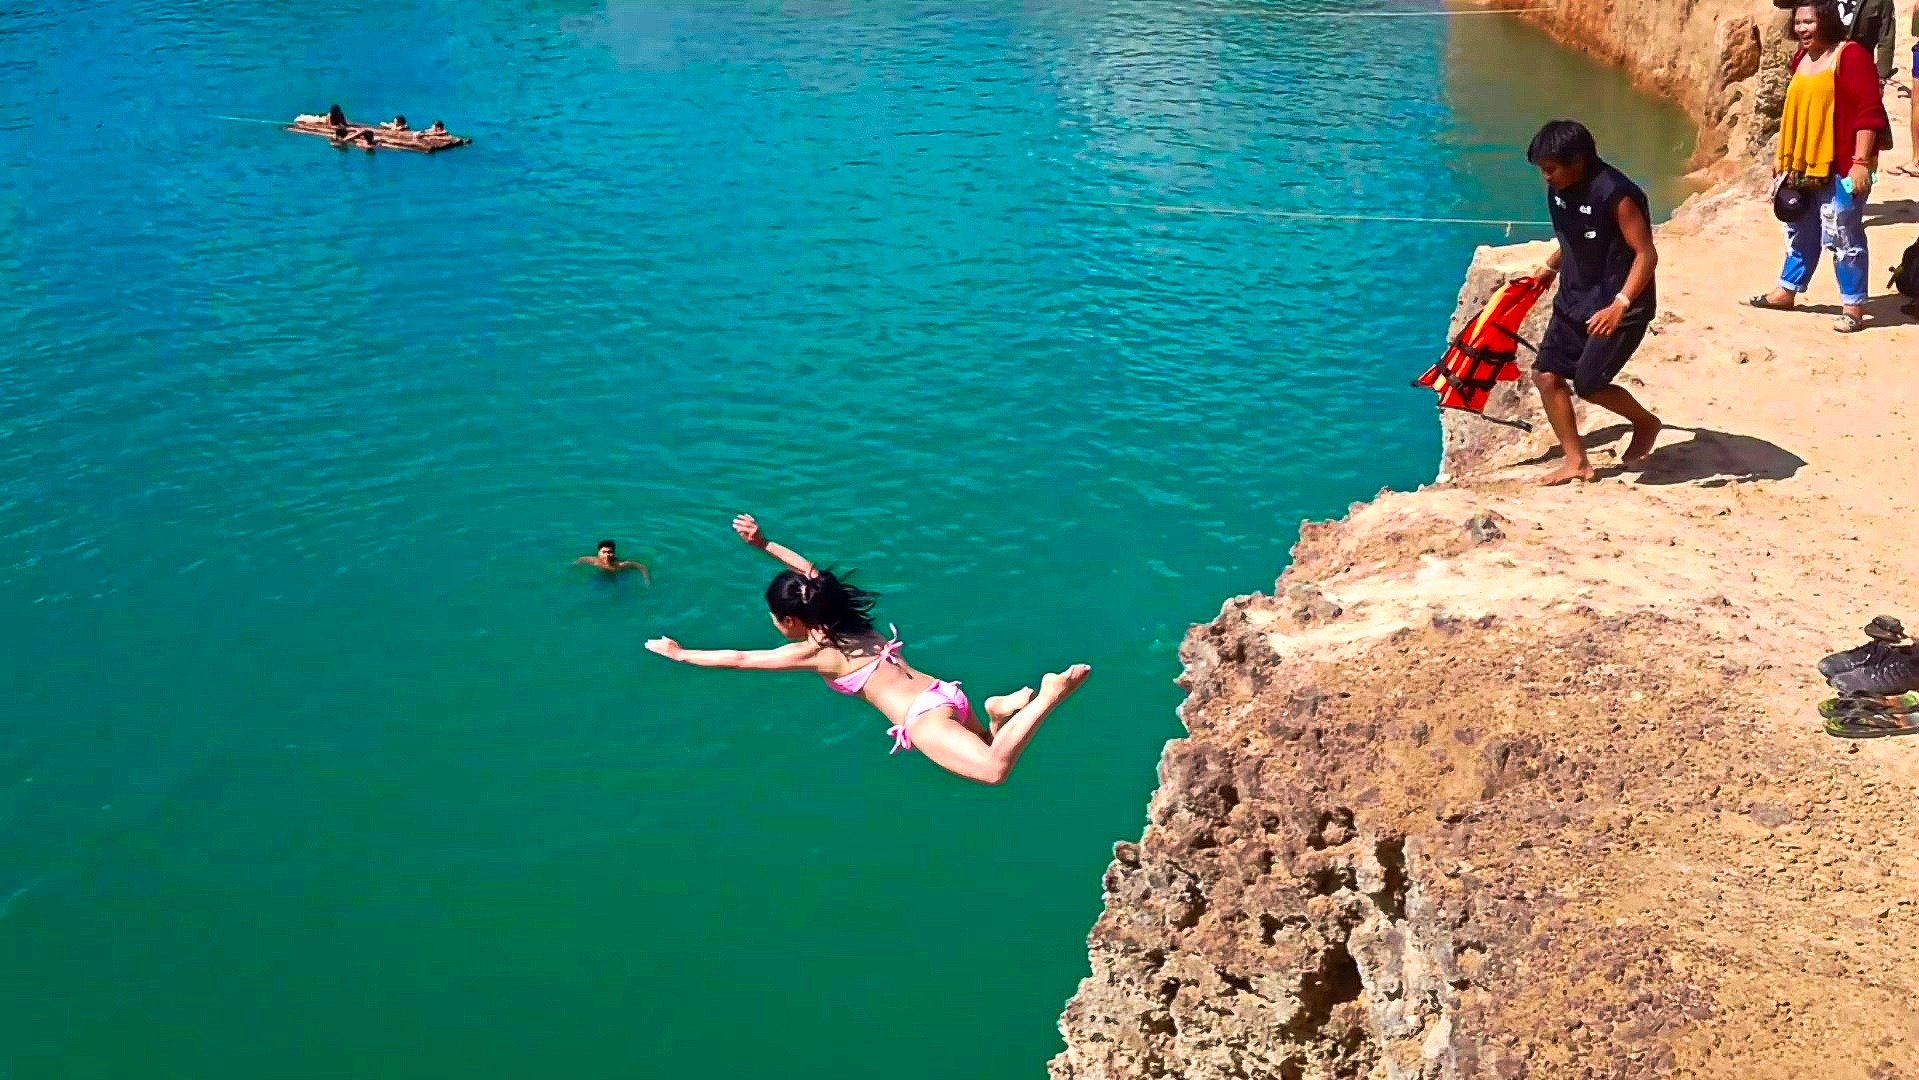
pixel 318 759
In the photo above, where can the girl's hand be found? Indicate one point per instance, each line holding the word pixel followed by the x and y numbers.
pixel 1861 183
pixel 749 530
pixel 666 647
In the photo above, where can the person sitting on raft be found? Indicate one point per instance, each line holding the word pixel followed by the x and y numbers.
pixel 438 128
pixel 830 626
pixel 334 119
pixel 398 123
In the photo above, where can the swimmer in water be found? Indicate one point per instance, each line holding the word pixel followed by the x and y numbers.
pixel 829 625
pixel 609 561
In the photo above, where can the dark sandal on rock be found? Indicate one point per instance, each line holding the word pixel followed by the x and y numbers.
pixel 1872 726
pixel 1854 707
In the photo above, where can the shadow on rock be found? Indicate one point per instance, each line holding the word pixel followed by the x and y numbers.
pixel 1717 458
pixel 1892 212
pixel 1881 311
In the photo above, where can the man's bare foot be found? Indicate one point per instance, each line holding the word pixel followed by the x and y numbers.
pixel 1639 451
pixel 1060 685
pixel 1001 709
pixel 1567 473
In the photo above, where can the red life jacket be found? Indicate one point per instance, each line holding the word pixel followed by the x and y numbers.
pixel 1486 353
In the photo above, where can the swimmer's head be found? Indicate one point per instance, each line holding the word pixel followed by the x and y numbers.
pixel 1564 153
pixel 819 606
pixel 438 125
pixel 606 549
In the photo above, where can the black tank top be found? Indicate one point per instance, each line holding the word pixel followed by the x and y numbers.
pixel 1594 258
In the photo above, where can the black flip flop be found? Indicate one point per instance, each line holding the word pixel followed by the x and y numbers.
pixel 1764 303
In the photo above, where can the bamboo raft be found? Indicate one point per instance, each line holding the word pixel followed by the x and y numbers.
pixel 385 138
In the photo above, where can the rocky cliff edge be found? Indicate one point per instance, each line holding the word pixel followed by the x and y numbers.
pixel 1507 781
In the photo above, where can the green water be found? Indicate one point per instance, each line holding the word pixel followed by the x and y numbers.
pixel 318 759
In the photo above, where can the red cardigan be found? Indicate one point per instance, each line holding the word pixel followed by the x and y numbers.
pixel 1858 104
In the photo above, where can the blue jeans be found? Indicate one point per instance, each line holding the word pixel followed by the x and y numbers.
pixel 1836 221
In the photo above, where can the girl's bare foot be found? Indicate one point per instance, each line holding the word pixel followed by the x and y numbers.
pixel 1001 709
pixel 1567 473
pixel 1639 451
pixel 1059 686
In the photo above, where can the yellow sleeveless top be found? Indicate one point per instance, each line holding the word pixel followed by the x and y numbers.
pixel 1805 130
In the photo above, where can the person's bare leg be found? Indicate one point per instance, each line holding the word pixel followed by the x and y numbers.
pixel 1645 426
pixel 1557 400
pixel 1911 168
pixel 955 749
pixel 1000 709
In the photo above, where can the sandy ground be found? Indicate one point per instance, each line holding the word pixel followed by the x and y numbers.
pixel 1788 475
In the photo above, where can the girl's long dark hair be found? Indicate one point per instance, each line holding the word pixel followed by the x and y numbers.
pixel 842 613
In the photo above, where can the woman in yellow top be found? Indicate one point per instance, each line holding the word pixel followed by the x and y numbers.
pixel 1834 127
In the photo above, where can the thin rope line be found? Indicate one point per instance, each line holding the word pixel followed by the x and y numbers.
pixel 1218 211
pixel 1307 215
pixel 1405 14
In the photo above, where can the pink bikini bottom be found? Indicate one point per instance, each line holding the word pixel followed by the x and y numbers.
pixel 940 695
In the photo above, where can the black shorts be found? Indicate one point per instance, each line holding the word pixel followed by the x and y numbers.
pixel 1589 363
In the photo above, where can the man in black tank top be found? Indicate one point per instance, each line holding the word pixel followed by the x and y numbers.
pixel 1604 262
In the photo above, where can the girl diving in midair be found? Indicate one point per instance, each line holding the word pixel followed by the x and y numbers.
pixel 829 625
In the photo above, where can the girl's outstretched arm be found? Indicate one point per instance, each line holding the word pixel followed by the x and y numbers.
pixel 749 531
pixel 798 656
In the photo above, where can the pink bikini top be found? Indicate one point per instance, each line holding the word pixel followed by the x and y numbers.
pixel 855 681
